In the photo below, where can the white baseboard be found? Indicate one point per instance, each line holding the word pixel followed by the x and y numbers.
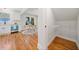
pixel 51 40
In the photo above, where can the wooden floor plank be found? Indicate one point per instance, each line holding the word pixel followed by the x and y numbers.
pixel 62 44
pixel 18 41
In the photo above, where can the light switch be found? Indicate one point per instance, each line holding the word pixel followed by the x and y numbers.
pixel 45 26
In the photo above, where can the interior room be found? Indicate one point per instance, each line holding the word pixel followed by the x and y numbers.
pixel 39 28
pixel 18 29
pixel 60 29
pixel 66 27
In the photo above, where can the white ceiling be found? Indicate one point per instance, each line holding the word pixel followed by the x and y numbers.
pixel 19 11
pixel 59 13
pixel 13 10
pixel 65 13
pixel 31 11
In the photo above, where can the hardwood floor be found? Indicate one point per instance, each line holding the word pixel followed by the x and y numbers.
pixel 62 44
pixel 18 41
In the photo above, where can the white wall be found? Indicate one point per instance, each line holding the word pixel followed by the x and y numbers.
pixel 67 28
pixel 66 19
pixel 42 31
pixel 50 25
pixel 46 18
pixel 78 28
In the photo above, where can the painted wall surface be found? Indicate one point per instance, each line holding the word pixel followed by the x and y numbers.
pixel 42 31
pixel 66 19
pixel 50 25
pixel 45 27
pixel 78 29
pixel 67 28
